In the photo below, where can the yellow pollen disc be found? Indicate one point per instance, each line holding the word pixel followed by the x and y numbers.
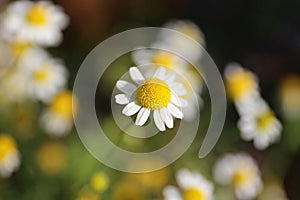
pixel 41 75
pixel 239 83
pixel 153 93
pixel 163 58
pixel 240 177
pixel 7 145
pixel 193 194
pixel 36 15
pixel 263 121
pixel 62 104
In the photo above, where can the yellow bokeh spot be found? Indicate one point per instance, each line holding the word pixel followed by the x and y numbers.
pixel 7 145
pixel 127 190
pixel 87 194
pixel 264 120
pixel 99 181
pixel 62 104
pixel 239 83
pixel 18 48
pixel 193 194
pixel 51 157
pixel 36 14
pixel 153 93
pixel 163 58
pixel 41 75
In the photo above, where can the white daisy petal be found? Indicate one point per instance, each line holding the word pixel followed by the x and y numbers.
pixel 158 121
pixel 136 75
pixel 180 102
pixel 178 89
pixel 160 73
pixel 122 99
pixel 166 117
pixel 142 116
pixel 126 87
pixel 170 79
pixel 130 109
pixel 175 111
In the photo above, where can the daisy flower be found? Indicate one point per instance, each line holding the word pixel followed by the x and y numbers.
pixel 241 172
pixel 193 186
pixel 189 77
pixel 9 155
pixel 260 125
pixel 46 76
pixel 175 41
pixel 57 119
pixel 159 93
pixel 241 84
pixel 38 22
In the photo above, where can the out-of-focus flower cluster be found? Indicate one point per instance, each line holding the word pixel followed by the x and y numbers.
pixel 30 75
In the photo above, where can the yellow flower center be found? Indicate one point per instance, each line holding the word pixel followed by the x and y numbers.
pixel 153 93
pixel 239 83
pixel 41 75
pixel 62 104
pixel 7 145
pixel 19 48
pixel 163 58
pixel 263 121
pixel 36 15
pixel 193 194
pixel 240 177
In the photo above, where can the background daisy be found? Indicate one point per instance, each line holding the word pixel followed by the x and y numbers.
pixel 38 22
pixel 192 186
pixel 241 172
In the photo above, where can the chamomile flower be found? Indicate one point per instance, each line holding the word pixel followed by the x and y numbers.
pixel 260 125
pixel 242 85
pixel 189 77
pixel 58 117
pixel 9 155
pixel 159 93
pixel 193 186
pixel 175 41
pixel 241 172
pixel 38 22
pixel 46 76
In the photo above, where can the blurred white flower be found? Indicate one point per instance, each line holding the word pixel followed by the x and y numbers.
pixel 46 76
pixel 260 125
pixel 241 84
pixel 159 93
pixel 192 186
pixel 38 22
pixel 9 155
pixel 175 41
pixel 241 172
pixel 57 119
